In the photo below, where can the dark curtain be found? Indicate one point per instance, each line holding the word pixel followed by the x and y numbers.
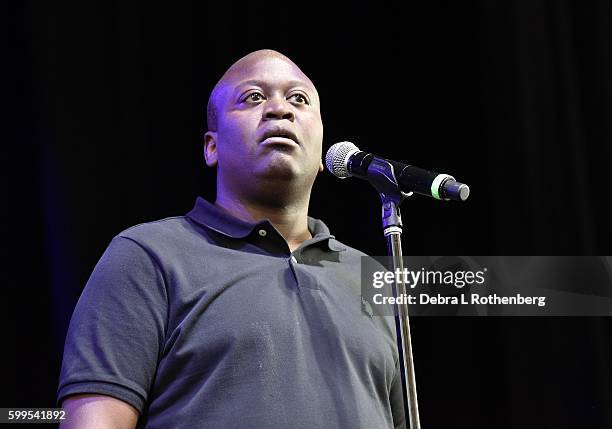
pixel 104 115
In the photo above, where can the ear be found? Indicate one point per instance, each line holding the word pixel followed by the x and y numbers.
pixel 210 148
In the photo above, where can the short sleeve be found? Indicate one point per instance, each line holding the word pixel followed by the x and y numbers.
pixel 117 330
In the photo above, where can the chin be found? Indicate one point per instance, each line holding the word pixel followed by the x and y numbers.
pixel 280 168
pixel 280 173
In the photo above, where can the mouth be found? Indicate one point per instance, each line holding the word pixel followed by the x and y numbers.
pixel 279 136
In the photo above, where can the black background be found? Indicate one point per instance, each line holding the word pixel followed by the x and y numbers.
pixel 104 115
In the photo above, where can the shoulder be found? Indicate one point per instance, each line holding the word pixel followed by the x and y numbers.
pixel 349 251
pixel 353 255
pixel 163 240
pixel 156 227
pixel 162 232
pixel 317 226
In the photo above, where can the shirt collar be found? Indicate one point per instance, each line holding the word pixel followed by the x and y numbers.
pixel 215 218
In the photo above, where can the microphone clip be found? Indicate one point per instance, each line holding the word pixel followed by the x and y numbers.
pixel 381 175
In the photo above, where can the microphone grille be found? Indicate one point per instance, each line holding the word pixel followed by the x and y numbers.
pixel 337 158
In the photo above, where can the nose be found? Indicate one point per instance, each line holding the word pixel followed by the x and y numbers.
pixel 278 108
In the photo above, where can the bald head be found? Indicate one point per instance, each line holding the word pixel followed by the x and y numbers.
pixel 238 69
pixel 265 131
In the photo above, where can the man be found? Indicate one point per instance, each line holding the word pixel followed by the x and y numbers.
pixel 245 312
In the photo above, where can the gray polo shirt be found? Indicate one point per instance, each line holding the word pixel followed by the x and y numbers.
pixel 207 321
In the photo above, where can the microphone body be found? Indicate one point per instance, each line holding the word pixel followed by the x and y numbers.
pixel 345 160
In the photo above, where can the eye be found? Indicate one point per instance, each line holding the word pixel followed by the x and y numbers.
pixel 254 97
pixel 299 98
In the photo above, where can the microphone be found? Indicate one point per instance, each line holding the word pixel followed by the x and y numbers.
pixel 344 160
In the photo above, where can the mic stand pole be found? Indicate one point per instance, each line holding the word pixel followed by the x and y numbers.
pixel 392 224
pixel 382 177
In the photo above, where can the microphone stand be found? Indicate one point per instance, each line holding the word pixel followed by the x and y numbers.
pixel 382 177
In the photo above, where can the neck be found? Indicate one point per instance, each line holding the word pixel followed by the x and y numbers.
pixel 290 219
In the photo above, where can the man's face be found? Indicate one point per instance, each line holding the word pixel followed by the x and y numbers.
pixel 268 124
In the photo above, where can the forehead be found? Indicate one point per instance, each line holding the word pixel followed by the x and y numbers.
pixel 270 71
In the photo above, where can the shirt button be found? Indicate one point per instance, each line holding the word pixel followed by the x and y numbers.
pixel 263 232
pixel 293 259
